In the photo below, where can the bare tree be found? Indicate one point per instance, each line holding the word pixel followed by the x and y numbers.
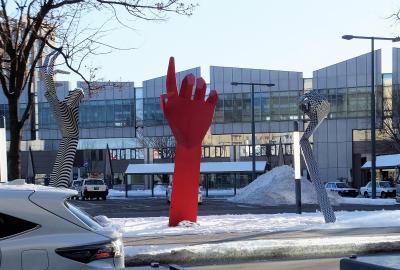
pixel 30 27
pixel 389 134
pixel 165 144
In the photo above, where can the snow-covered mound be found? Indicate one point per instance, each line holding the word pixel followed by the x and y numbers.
pixel 277 187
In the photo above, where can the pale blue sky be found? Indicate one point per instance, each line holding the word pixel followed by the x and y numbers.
pixel 282 35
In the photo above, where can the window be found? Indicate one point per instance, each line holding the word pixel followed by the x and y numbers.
pixel 94 182
pixel 342 185
pixel 384 184
pixel 10 225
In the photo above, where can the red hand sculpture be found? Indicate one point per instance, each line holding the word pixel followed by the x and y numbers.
pixel 189 120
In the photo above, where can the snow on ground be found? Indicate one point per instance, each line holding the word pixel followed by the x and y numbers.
pixel 293 247
pixel 219 192
pixel 159 190
pixel 20 184
pixel 278 187
pixel 367 201
pixel 151 226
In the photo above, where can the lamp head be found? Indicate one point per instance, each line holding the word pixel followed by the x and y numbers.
pixel 347 37
pixel 396 39
pixel 234 83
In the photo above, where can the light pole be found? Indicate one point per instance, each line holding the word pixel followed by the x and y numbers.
pixel 373 135
pixel 253 130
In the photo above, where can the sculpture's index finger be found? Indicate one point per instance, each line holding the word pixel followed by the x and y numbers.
pixel 171 78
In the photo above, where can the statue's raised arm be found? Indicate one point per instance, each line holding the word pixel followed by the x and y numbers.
pixel 317 108
pixel 66 114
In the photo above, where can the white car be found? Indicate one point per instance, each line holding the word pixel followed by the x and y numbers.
pixel 169 192
pixel 40 229
pixel 341 188
pixel 92 188
pixel 383 189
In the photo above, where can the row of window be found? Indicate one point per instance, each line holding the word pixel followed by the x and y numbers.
pixel 265 150
pixel 234 107
pixel 353 102
pixel 127 154
pixel 95 114
pixel 220 151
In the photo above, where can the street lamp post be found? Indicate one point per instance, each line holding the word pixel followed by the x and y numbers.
pixel 253 130
pixel 373 133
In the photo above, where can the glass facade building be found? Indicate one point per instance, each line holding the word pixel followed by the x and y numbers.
pixel 111 115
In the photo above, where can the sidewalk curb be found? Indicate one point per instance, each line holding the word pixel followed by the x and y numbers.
pixel 229 252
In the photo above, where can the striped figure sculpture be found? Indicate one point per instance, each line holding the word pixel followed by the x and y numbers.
pixel 316 107
pixel 66 113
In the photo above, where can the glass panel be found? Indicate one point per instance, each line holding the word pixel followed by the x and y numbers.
pixel 246 107
pixel 228 106
pixel 237 107
pixel 219 110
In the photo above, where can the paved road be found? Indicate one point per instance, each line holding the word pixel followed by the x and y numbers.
pixel 157 206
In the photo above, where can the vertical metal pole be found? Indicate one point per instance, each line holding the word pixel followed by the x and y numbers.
pixel 207 185
pixel 253 136
pixel 373 139
pixel 3 151
pixel 152 185
pixel 297 166
pixel 126 185
pixel 298 195
pixel 234 185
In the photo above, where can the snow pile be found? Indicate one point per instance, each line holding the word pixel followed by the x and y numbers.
pixel 105 222
pixel 277 187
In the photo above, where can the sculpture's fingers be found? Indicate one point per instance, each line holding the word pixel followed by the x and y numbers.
pixel 163 101
pixel 172 89
pixel 43 68
pixel 187 86
pixel 200 91
pixel 212 98
pixel 53 58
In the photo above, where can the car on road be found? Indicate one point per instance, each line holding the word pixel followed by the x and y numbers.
pixel 342 189
pixel 41 229
pixel 92 188
pixel 383 190
pixel 169 192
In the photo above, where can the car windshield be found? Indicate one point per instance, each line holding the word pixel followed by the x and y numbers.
pixel 94 182
pixel 83 216
pixel 342 185
pixel 384 184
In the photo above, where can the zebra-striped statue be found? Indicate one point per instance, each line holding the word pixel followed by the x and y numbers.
pixel 66 113
pixel 317 108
